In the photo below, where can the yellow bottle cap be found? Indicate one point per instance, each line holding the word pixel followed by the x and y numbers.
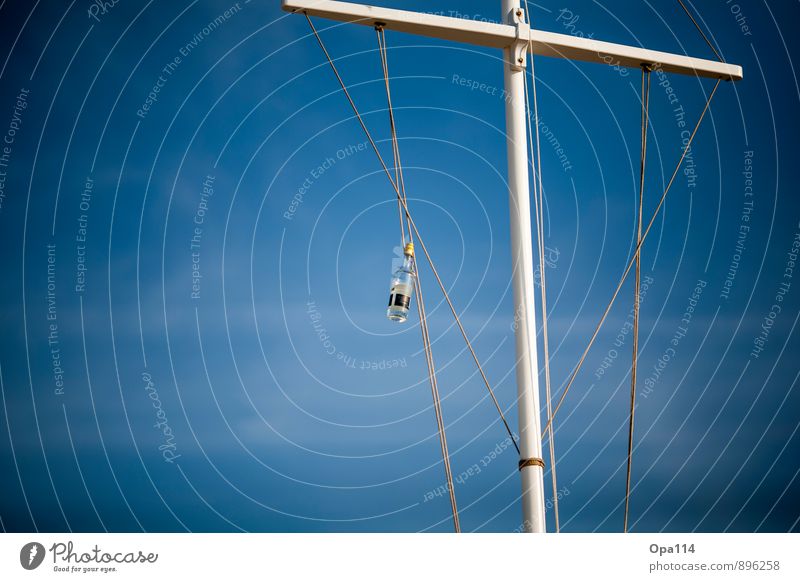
pixel 409 250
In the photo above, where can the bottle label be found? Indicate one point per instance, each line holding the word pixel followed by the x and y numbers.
pixel 399 300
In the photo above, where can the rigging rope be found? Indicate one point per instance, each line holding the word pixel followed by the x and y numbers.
pixel 423 318
pixel 413 227
pixel 437 403
pixel 379 31
pixel 631 262
pixel 538 201
pixel 637 284
pixel 700 30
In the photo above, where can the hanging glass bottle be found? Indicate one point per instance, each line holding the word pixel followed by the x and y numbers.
pixel 402 287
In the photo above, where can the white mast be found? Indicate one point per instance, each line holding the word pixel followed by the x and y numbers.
pixel 515 37
pixel 530 442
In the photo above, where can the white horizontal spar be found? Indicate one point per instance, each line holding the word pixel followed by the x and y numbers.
pixel 496 35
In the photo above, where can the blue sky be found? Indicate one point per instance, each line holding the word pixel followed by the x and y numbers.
pixel 197 247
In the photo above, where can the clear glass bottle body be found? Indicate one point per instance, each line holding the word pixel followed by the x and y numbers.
pixel 402 290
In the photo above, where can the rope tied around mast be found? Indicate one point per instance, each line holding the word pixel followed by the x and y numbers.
pixel 531 462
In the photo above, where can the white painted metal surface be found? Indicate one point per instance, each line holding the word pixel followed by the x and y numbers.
pixel 496 35
pixel 527 368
